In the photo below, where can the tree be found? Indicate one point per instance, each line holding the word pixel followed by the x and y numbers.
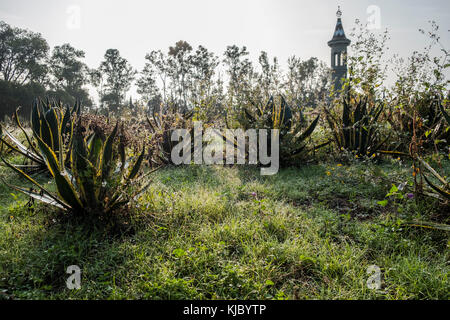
pixel 203 67
pixel 22 55
pixel 147 83
pixel 69 74
pixel 186 78
pixel 114 76
pixel 239 66
pixel 13 95
pixel 180 68
pixel 307 82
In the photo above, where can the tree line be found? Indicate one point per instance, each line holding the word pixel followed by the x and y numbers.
pixel 183 77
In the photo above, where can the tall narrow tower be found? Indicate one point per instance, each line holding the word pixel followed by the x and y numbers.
pixel 339 45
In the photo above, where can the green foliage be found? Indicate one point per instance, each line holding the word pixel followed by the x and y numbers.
pixel 420 91
pixel 439 186
pixel 207 238
pixel 13 95
pixel 50 122
pixel 99 177
pixel 161 127
pixel 292 125
pixel 443 191
pixel 113 78
pixel 22 55
pixel 422 116
pixel 68 75
pixel 357 129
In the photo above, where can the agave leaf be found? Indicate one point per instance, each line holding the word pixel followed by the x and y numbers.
pixel 77 108
pixel 137 165
pixel 298 151
pixel 310 129
pixel 20 147
pixel 441 191
pixel 150 124
pixel 24 132
pixel 45 133
pixel 27 177
pixel 446 115
pixel 397 153
pixel 41 197
pixel 60 149
pixel 378 113
pixel 95 148
pixel 108 153
pixel 52 121
pixel 346 123
pixel 35 118
pixel 322 145
pixel 122 155
pixel 45 106
pixel 429 168
pixel 117 195
pixel 332 123
pixel 85 172
pixel 247 113
pixel 65 121
pixel 65 188
pixel 377 147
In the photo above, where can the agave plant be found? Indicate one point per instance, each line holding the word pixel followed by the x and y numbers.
pixel 357 129
pixel 441 191
pixel 293 131
pixel 429 121
pixel 50 121
pixel 161 127
pixel 99 176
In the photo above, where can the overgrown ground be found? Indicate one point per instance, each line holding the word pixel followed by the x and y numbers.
pixel 229 233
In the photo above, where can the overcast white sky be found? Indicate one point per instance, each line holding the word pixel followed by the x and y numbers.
pixel 280 27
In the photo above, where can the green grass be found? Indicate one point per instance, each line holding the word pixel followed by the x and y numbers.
pixel 200 233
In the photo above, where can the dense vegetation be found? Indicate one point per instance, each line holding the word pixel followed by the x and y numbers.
pixel 364 177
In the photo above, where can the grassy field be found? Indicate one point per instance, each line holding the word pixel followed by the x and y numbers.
pixel 229 233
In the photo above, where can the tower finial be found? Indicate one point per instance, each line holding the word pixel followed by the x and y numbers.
pixel 339 12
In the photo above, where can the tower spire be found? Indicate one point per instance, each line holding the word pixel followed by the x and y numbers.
pixel 339 12
pixel 339 44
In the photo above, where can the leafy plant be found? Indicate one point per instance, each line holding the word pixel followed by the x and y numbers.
pixel 441 191
pixel 429 123
pixel 357 129
pixel 99 178
pixel 418 92
pixel 52 123
pixel 292 126
pixel 161 126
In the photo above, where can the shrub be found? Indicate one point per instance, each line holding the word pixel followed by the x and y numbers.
pixel 100 180
pixel 161 127
pixel 292 125
pixel 357 128
pixel 52 123
pixel 441 189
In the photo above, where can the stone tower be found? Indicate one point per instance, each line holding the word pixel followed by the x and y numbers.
pixel 339 45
